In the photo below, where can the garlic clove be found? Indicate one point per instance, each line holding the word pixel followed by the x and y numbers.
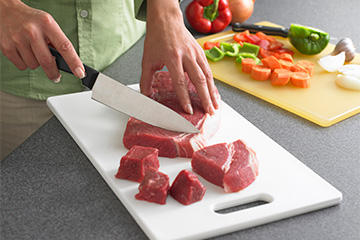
pixel 345 45
pixel 348 82
pixel 331 63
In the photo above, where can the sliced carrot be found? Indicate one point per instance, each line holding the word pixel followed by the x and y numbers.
pixel 300 79
pixel 280 77
pixel 285 64
pixel 286 57
pixel 260 73
pixel 271 62
pixel 308 65
pixel 298 68
pixel 247 64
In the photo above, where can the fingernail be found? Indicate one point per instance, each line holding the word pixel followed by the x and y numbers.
pixel 218 101
pixel 79 72
pixel 211 110
pixel 189 109
pixel 57 80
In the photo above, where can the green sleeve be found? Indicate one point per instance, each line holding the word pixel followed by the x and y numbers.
pixel 140 9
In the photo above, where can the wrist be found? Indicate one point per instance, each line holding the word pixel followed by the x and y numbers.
pixel 163 11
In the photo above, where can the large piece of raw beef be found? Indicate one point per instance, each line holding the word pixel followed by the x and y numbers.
pixel 172 144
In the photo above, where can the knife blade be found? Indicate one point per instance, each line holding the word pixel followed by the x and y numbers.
pixel 129 101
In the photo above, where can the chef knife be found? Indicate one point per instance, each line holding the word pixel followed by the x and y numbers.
pixel 126 100
pixel 275 31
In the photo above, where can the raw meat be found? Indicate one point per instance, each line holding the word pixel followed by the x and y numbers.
pixel 134 164
pixel 154 187
pixel 172 144
pixel 187 188
pixel 233 166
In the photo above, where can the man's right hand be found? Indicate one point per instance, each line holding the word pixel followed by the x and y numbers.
pixel 26 34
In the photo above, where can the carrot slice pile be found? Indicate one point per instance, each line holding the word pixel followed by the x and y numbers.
pixel 298 68
pixel 260 73
pixel 286 57
pixel 271 62
pixel 285 64
pixel 300 79
pixel 247 64
pixel 280 77
pixel 308 65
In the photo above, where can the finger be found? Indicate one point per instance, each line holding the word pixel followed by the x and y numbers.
pixel 214 93
pixel 10 51
pixel 146 80
pixel 66 50
pixel 199 80
pixel 46 59
pixel 14 57
pixel 28 56
pixel 179 80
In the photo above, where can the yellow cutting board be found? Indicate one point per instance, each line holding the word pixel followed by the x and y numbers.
pixel 323 103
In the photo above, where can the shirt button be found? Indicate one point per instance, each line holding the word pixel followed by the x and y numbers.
pixel 84 13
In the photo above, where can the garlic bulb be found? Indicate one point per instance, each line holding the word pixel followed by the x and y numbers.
pixel 347 46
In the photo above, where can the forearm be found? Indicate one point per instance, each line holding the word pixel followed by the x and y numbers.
pixel 161 11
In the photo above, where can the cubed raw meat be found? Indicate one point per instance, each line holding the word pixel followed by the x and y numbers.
pixel 154 187
pixel 233 166
pixel 134 164
pixel 187 188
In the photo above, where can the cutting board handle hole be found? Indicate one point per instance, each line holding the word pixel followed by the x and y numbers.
pixel 241 207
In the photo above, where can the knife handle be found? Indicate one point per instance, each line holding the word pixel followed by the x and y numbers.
pixel 91 74
pixel 275 31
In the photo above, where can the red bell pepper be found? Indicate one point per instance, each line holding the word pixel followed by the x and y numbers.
pixel 208 16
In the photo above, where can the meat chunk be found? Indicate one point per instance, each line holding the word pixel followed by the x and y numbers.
pixel 172 144
pixel 187 188
pixel 154 187
pixel 136 161
pixel 233 166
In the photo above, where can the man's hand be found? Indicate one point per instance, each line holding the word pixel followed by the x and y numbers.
pixel 168 43
pixel 25 35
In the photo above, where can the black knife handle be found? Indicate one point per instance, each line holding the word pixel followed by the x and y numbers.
pixel 91 74
pixel 274 31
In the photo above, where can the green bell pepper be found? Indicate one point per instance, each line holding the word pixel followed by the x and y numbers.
pixel 230 49
pixel 243 55
pixel 307 40
pixel 214 54
pixel 250 48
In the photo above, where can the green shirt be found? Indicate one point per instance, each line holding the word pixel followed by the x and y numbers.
pixel 100 30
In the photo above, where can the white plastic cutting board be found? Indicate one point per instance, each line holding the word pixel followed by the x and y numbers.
pixel 289 187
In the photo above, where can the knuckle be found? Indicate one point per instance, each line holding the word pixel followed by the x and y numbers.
pixel 208 74
pixel 202 80
pixel 45 19
pixel 65 46
pixel 181 82
pixel 29 31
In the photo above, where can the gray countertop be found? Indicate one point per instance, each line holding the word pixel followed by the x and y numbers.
pixel 50 190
